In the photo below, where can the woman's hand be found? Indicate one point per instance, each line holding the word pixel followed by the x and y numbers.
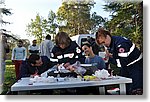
pixel 66 65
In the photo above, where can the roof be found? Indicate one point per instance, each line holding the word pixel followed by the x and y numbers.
pixel 7 35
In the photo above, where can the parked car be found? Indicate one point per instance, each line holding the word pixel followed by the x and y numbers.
pixel 82 38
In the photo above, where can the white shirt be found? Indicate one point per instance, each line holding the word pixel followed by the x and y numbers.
pixel 19 53
pixel 33 48
pixel 46 48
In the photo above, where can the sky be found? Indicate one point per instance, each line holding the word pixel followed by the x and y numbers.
pixel 25 10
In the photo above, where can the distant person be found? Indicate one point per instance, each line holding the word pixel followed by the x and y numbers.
pixel 66 50
pixel 34 48
pixel 92 58
pixel 19 54
pixel 35 65
pixel 46 47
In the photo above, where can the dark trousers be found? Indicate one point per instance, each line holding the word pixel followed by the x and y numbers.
pixel 135 72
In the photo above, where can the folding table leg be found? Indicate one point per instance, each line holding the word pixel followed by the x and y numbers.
pixel 122 89
pixel 102 90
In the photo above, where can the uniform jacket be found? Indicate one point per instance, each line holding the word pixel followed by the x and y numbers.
pixel 70 54
pixel 26 69
pixel 124 51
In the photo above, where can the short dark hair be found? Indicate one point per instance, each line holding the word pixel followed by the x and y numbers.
pixel 34 40
pixel 32 58
pixel 62 38
pixel 87 44
pixel 48 37
pixel 20 41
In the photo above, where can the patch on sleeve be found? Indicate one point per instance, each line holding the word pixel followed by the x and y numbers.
pixel 71 55
pixel 121 50
pixel 78 50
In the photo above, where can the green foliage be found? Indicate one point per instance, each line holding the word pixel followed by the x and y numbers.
pixel 75 18
pixel 9 78
pixel 35 27
pixel 96 20
pixel 40 27
pixel 127 20
pixel 8 62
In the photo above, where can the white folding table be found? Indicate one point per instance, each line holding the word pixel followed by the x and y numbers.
pixel 24 84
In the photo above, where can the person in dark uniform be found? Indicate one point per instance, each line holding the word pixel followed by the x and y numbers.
pixel 65 50
pixel 68 52
pixel 128 58
pixel 35 65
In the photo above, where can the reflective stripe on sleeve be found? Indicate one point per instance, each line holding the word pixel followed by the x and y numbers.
pixel 70 55
pixel 118 63
pixel 127 53
pixel 60 57
pixel 53 60
pixel 140 57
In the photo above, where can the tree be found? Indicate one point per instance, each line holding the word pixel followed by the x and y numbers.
pixel 127 20
pixel 40 27
pixel 35 28
pixel 4 11
pixel 75 17
pixel 50 25
pixel 96 21
pixel 11 38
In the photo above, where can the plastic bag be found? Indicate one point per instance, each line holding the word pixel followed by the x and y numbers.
pixel 102 73
pixel 45 74
pixel 78 69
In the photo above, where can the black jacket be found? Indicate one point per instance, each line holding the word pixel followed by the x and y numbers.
pixel 70 54
pixel 26 69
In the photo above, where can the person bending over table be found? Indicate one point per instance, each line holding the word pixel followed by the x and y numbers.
pixel 128 58
pixel 35 65
pixel 66 50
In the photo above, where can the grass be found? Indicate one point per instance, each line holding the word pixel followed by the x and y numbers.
pixel 9 62
pixel 9 77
